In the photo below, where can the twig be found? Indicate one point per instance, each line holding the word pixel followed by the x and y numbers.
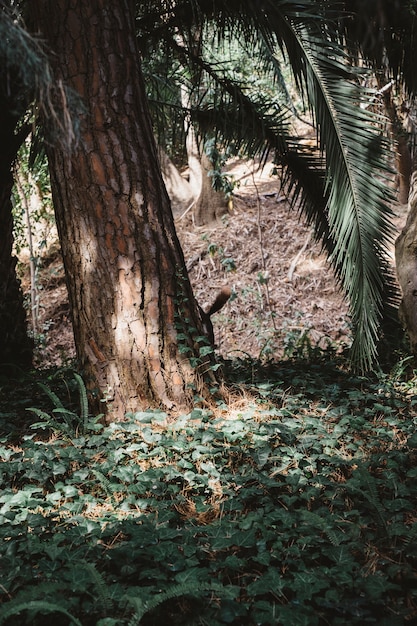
pixel 295 260
pixel 196 258
pixel 186 211
pixel 34 296
pixel 261 245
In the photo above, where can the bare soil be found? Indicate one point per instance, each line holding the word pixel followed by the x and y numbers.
pixel 283 290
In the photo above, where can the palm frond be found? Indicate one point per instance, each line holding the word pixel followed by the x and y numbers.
pixel 342 188
pixel 358 212
pixel 385 33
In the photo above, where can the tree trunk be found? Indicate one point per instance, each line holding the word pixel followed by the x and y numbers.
pixel 15 345
pixel 179 189
pixel 128 286
pixel 209 204
pixel 406 262
pixel 404 168
pixel 403 160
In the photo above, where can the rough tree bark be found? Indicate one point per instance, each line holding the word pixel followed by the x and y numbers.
pixel 403 158
pixel 406 262
pixel 126 275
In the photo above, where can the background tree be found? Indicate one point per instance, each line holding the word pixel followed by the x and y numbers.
pixel 25 83
pixel 175 88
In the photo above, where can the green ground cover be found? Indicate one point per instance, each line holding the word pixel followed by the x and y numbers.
pixel 294 504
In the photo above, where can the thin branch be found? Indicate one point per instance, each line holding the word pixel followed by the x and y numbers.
pixel 261 246
pixel 34 295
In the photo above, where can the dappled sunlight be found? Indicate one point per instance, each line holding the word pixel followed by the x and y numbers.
pixel 301 480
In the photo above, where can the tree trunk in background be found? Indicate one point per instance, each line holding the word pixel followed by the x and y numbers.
pixel 178 188
pixel 406 262
pixel 404 168
pixel 211 204
pixel 403 158
pixel 15 345
pixel 126 275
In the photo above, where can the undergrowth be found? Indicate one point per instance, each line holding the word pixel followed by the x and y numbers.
pixel 294 505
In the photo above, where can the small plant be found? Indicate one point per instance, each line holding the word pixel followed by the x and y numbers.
pixel 229 264
pixel 197 348
pixel 298 342
pixel 62 420
pixel 219 180
pixel 213 249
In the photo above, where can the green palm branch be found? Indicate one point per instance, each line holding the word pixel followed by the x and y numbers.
pixel 342 186
pixel 358 201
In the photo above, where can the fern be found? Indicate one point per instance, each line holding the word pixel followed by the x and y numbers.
pixel 45 417
pixel 324 525
pixel 64 420
pixel 36 606
pixel 104 482
pixel 370 490
pixel 332 535
pixel 100 586
pixel 51 395
pixel 83 399
pixel 176 591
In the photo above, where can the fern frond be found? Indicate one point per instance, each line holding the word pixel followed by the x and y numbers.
pixel 104 482
pixel 100 587
pixel 35 606
pixel 370 487
pixel 83 399
pixel 39 413
pixel 51 395
pixel 176 591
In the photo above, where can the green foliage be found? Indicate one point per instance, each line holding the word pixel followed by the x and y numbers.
pixel 196 347
pixel 219 180
pixel 35 184
pixel 216 251
pixel 31 91
pixel 63 420
pixel 34 608
pixel 295 507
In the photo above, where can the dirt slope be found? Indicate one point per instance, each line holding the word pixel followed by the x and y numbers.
pixel 282 285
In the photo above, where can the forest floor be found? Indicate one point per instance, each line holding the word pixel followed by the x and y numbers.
pixel 293 503
pixel 284 295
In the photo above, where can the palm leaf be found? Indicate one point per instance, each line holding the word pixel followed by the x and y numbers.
pixel 386 36
pixel 357 197
pixel 358 212
pixel 342 188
